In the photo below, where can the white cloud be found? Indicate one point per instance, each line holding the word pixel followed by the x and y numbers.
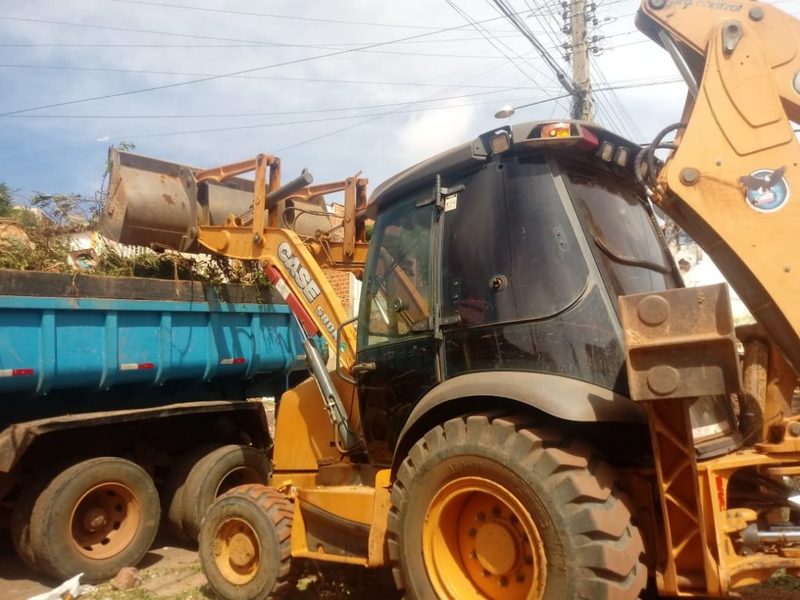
pixel 432 132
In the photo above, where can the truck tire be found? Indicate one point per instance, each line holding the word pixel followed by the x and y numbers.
pixel 217 472
pixel 489 508
pixel 172 492
pixel 94 517
pixel 246 544
pixel 21 520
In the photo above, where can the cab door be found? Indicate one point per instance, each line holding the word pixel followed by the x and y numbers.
pixel 395 328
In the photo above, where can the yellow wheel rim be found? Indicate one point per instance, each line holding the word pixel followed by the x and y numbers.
pixel 237 551
pixel 479 541
pixel 105 520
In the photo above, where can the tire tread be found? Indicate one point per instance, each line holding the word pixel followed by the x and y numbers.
pixel 608 548
pixel 280 512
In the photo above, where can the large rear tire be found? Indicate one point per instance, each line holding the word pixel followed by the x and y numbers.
pixel 246 546
pixel 172 492
pixel 486 508
pixel 214 474
pixel 94 517
pixel 21 519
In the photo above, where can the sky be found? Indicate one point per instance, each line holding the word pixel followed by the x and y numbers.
pixel 339 87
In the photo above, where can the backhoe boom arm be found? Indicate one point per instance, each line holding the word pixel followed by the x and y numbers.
pixel 734 181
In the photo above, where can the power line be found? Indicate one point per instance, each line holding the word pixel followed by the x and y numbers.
pixel 522 27
pixel 545 74
pixel 249 126
pixel 243 44
pixel 491 90
pixel 146 31
pixel 370 117
pixel 233 73
pixel 273 16
pixel 343 129
pixel 250 43
pixel 369 120
pixel 271 114
pixel 375 117
pixel 256 77
pixel 489 38
pixel 624 119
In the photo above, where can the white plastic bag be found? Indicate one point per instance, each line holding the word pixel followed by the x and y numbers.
pixel 71 588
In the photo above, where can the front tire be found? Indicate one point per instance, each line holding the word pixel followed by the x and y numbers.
pixel 246 546
pixel 489 509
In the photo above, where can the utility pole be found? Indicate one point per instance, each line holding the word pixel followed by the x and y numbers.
pixel 582 104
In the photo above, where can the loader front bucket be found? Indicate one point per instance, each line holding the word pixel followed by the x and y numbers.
pixel 159 205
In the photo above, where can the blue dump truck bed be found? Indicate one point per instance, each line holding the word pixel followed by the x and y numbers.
pixel 126 392
pixel 79 336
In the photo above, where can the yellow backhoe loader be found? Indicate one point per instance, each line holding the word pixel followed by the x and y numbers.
pixel 530 405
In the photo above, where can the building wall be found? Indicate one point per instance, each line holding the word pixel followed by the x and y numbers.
pixel 345 286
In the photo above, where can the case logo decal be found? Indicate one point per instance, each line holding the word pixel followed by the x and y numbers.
pixel 300 274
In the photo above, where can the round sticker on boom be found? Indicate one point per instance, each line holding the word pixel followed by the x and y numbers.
pixel 767 190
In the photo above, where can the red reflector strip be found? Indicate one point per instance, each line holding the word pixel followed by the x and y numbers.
pixel 136 366
pixel 295 305
pixel 233 361
pixel 16 372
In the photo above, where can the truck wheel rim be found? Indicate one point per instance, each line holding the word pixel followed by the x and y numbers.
pixel 237 551
pixel 105 520
pixel 479 541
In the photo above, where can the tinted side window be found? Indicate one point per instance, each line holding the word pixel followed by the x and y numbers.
pixel 624 238
pixel 509 252
pixel 581 343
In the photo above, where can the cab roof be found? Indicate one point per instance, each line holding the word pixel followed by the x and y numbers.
pixel 524 137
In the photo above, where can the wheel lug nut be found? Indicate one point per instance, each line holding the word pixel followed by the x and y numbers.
pixel 496 511
pixel 503 581
pixel 520 577
pixel 481 516
pixel 528 560
pixel 473 555
pixel 472 532
pixel 513 519
pixel 485 573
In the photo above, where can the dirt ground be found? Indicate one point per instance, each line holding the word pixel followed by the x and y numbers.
pixel 172 572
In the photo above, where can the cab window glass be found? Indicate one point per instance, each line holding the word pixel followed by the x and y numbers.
pixel 510 252
pixel 396 299
pixel 623 236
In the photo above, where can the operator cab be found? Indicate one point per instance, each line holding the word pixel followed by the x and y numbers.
pixel 507 253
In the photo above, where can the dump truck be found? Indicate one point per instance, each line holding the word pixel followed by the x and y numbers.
pixel 531 404
pixel 125 398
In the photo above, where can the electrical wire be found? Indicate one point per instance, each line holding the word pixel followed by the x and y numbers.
pixel 271 15
pixel 625 120
pixel 553 99
pixel 365 47
pixel 494 43
pixel 232 73
pixel 607 88
pixel 255 77
pixel 272 113
pixel 522 27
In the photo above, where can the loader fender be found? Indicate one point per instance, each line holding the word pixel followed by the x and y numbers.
pixel 560 397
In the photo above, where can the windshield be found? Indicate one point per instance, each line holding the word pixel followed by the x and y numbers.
pixel 623 234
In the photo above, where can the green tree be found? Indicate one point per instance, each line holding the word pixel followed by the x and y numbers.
pixel 6 203
pixel 66 210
